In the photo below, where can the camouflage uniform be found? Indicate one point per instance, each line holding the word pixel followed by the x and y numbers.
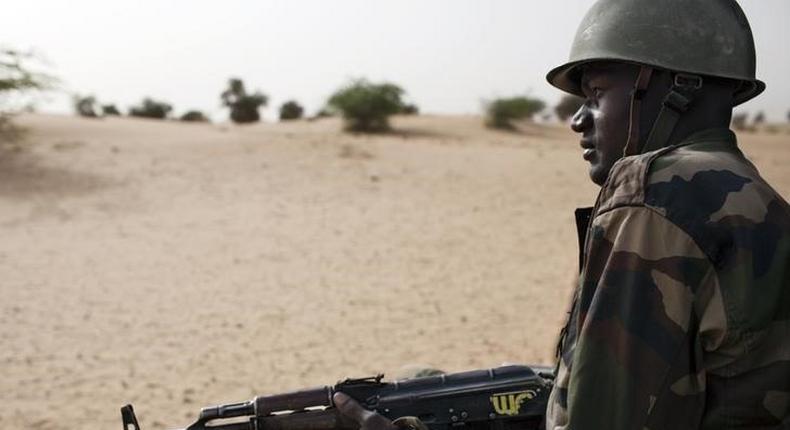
pixel 681 319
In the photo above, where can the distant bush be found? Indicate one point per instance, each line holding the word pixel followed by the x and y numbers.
pixel 243 107
pixel 410 109
pixel 759 119
pixel 501 113
pixel 150 108
pixel 18 77
pixel 739 121
pixel 568 106
pixel 291 110
pixel 110 110
pixel 366 107
pixel 86 106
pixel 788 116
pixel 16 72
pixel 194 116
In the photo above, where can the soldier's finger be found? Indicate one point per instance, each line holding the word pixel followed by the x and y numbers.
pixel 350 407
pixel 367 419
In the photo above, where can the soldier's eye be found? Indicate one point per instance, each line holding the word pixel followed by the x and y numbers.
pixel 597 92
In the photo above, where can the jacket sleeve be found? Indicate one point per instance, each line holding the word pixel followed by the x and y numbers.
pixel 637 362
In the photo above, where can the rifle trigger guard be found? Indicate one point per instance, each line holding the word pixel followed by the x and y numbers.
pixel 410 423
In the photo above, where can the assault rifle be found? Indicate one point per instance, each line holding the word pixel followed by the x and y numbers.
pixel 503 398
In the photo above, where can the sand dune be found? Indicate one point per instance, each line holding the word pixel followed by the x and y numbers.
pixel 177 265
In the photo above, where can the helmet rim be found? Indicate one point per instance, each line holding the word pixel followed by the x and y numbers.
pixel 562 77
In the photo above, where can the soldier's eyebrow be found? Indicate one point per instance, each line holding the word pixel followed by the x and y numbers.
pixel 588 75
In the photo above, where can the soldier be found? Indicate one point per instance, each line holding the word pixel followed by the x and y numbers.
pixel 681 319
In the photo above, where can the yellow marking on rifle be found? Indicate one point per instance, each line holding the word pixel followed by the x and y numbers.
pixel 510 403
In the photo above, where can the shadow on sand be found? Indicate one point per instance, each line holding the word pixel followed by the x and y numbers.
pixel 24 175
pixel 417 133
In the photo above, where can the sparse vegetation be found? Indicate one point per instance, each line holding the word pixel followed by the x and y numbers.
pixel 86 106
pixel 150 108
pixel 501 113
pixel 243 107
pixel 410 109
pixel 194 116
pixel 16 73
pixel 568 106
pixel 110 110
pixel 291 110
pixel 366 107
pixel 759 119
pixel 17 77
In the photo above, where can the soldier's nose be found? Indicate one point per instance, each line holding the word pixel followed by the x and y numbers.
pixel 582 120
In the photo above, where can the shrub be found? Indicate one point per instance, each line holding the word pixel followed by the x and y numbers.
pixel 16 73
pixel 151 108
pixel 17 77
pixel 110 110
pixel 366 107
pixel 739 121
pixel 759 119
pixel 243 107
pixel 410 109
pixel 291 110
pixel 568 106
pixel 194 116
pixel 86 106
pixel 501 113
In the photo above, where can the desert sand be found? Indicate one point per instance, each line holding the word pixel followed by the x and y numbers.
pixel 175 265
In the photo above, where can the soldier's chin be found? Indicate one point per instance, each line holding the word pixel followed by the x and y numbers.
pixel 598 173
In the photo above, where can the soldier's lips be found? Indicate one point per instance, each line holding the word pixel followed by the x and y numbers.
pixel 589 149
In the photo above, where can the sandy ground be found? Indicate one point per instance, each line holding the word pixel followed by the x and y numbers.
pixel 176 265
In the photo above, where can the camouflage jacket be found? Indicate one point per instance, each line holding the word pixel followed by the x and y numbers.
pixel 681 319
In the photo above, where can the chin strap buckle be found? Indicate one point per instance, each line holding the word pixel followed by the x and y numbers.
pixel 676 103
pixel 686 81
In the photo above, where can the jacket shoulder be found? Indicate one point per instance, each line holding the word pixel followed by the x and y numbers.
pixel 713 193
pixel 704 188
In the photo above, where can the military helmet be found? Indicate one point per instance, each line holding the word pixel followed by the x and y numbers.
pixel 700 37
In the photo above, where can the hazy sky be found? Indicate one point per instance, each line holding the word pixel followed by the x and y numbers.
pixel 448 55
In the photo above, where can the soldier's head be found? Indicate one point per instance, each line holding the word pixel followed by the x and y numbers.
pixel 654 71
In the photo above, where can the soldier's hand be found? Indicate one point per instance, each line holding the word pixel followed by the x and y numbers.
pixel 367 419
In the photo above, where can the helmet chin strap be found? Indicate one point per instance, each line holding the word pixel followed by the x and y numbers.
pixel 632 147
pixel 675 104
